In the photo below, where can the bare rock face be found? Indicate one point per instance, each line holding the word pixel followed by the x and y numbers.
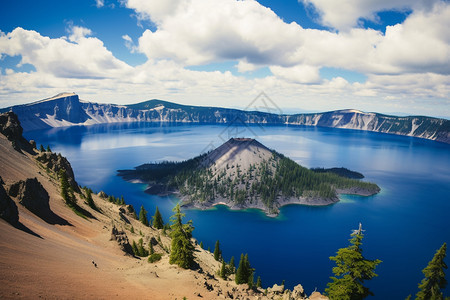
pixel 56 162
pixel 31 194
pixel 122 239
pixel 276 289
pixel 10 127
pixel 8 208
pixel 298 292
pixel 128 210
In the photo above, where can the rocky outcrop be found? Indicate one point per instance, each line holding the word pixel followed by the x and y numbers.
pixel 32 195
pixel 8 208
pixel 67 110
pixel 57 162
pixel 122 240
pixel 11 128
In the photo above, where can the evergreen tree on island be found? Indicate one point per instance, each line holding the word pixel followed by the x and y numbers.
pixel 434 281
pixel 157 220
pixel 217 251
pixel 143 216
pixel 351 270
pixel 182 250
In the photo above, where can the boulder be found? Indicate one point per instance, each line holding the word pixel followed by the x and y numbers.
pixel 31 194
pixel 298 292
pixel 276 289
pixel 8 208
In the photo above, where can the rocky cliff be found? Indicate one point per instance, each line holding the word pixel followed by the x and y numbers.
pixel 67 110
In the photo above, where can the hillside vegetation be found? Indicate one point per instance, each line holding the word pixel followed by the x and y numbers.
pixel 244 173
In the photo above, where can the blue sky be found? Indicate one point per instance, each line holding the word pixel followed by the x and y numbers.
pixel 306 55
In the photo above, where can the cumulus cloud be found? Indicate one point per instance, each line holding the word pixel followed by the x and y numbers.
pixel 409 61
pixel 344 14
pixel 77 56
pixel 298 74
pixel 197 32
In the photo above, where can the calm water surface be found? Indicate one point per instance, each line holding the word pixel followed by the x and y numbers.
pixel 405 223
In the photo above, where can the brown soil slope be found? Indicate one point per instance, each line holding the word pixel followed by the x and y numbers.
pixel 53 257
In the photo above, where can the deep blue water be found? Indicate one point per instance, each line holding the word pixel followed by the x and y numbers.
pixel 404 224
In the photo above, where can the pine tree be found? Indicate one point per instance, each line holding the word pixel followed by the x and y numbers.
pixel 157 220
pixel 244 273
pixel 143 216
pixel 182 250
pixel 141 250
pixel 223 271
pixel 232 266
pixel 351 270
pixel 135 248
pixel 48 148
pixel 66 190
pixel 258 282
pixel 240 277
pixel 217 252
pixel 434 281
pixel 89 199
pixel 201 245
pixel 151 250
pixel 42 148
pixel 250 281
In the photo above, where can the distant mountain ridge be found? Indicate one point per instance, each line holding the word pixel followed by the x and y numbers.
pixel 67 110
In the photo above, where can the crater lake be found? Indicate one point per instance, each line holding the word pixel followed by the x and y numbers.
pixel 405 223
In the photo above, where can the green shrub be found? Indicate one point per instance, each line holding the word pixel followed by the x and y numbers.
pixel 154 257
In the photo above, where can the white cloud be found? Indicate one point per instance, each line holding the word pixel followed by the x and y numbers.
pixel 243 66
pixel 411 61
pixel 78 33
pixel 129 43
pixel 196 32
pixel 298 74
pixel 99 3
pixel 344 14
pixel 76 57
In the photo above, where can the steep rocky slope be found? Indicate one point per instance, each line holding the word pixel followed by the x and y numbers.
pixel 48 251
pixel 67 110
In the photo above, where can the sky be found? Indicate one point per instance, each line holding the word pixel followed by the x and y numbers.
pixel 387 56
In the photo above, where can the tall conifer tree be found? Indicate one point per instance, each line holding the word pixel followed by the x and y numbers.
pixel 157 220
pixel 182 250
pixel 217 252
pixel 351 270
pixel 143 216
pixel 434 281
